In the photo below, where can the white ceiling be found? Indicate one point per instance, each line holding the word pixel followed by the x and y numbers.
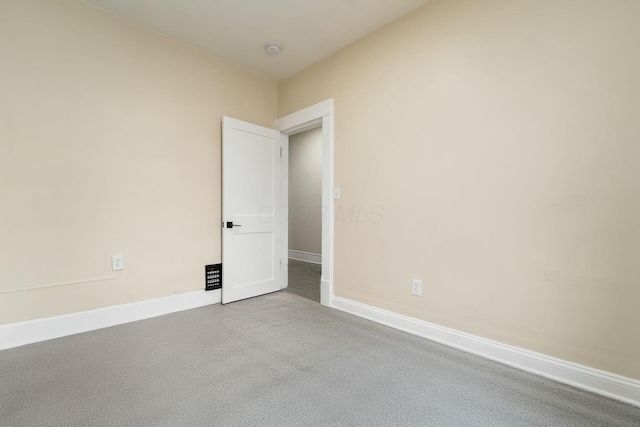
pixel 237 30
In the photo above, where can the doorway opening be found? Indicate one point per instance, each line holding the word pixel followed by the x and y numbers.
pixel 307 220
pixel 305 213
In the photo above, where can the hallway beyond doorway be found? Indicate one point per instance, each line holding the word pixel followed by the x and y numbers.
pixel 304 279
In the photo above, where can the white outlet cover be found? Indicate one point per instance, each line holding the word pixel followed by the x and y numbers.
pixel 416 287
pixel 117 262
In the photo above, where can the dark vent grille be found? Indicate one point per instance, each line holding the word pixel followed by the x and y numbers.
pixel 212 277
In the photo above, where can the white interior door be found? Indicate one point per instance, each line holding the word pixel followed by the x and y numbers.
pixel 251 196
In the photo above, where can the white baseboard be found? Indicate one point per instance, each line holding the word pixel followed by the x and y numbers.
pixel 325 292
pixel 600 382
pixel 305 256
pixel 31 331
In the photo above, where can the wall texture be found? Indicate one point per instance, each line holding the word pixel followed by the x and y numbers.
pixel 305 191
pixel 109 144
pixel 500 141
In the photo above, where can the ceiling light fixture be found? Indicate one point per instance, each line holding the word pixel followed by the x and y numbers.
pixel 273 48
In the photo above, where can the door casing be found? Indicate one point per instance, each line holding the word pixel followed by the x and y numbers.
pixel 321 114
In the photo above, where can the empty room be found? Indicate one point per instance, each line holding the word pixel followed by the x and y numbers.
pixel 319 213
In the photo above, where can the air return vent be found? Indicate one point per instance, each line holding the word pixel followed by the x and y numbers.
pixel 212 277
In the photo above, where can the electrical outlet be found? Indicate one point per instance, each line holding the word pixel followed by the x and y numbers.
pixel 117 262
pixel 416 287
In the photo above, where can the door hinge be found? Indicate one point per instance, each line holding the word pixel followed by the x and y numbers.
pixel 280 263
pixel 280 151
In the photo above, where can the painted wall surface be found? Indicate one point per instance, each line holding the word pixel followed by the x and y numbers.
pixel 305 191
pixel 500 140
pixel 109 144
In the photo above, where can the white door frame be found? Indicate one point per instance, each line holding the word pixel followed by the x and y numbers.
pixel 300 121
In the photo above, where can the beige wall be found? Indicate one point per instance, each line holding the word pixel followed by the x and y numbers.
pixel 500 138
pixel 305 191
pixel 109 144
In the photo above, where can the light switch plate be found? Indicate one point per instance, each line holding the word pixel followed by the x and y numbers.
pixel 336 193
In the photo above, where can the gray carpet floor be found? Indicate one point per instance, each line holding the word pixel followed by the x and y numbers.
pixel 304 279
pixel 278 360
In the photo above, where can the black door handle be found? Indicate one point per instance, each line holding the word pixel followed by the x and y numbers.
pixel 231 225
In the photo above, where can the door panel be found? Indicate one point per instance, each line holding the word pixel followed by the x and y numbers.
pixel 251 193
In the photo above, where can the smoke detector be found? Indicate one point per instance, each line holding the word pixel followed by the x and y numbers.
pixel 273 48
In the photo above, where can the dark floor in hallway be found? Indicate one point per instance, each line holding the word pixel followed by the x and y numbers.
pixel 304 279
